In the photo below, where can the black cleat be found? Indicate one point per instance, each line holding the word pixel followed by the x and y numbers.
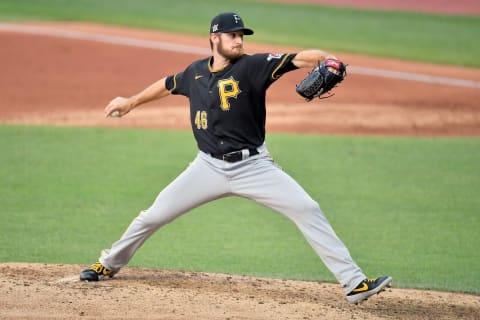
pixel 96 272
pixel 367 288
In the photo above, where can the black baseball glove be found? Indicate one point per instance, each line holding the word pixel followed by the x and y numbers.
pixel 322 79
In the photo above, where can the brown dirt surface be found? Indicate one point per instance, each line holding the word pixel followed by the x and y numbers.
pixel 46 291
pixel 54 80
pixel 57 81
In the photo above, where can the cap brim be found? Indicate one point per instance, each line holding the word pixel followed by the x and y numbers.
pixel 246 31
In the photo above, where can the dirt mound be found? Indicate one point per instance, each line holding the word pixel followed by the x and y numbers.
pixel 41 291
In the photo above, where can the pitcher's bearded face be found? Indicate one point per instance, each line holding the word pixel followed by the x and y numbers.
pixel 230 45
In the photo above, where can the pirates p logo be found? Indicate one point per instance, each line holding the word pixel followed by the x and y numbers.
pixel 227 88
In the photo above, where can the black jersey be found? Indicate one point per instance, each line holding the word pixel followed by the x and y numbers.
pixel 227 106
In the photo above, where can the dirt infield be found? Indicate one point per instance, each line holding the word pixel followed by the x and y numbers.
pixel 65 81
pixel 41 291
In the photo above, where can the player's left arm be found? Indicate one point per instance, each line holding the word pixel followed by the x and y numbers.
pixel 120 106
pixel 310 58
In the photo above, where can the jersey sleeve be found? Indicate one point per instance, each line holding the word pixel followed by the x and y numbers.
pixel 182 82
pixel 175 84
pixel 284 66
pixel 269 67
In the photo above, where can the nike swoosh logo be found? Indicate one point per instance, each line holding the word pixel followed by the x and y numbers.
pixel 363 288
pixel 198 77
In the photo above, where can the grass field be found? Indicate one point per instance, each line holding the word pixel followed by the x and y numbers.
pixel 406 207
pixel 411 36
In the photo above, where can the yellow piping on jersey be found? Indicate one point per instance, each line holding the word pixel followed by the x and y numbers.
pixel 174 83
pixel 210 66
pixel 274 77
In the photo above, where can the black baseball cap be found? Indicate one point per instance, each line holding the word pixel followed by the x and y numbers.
pixel 228 22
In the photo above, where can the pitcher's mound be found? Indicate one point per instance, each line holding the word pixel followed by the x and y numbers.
pixel 46 291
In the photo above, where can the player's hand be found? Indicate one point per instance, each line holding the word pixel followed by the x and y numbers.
pixel 118 107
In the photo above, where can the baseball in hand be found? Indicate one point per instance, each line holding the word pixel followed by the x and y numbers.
pixel 115 114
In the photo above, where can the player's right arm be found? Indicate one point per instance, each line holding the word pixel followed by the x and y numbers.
pixel 120 106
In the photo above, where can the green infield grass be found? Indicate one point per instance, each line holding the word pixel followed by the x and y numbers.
pixel 412 36
pixel 405 207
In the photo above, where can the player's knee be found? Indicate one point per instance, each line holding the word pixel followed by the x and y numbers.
pixel 314 212
pixel 309 206
pixel 153 219
pixel 306 208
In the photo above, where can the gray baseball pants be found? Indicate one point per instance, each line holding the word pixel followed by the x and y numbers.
pixel 257 178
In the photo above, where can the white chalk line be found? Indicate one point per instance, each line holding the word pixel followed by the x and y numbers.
pixel 104 38
pixel 414 77
pixel 67 279
pixel 166 46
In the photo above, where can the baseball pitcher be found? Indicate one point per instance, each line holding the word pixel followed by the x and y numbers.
pixel 227 92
